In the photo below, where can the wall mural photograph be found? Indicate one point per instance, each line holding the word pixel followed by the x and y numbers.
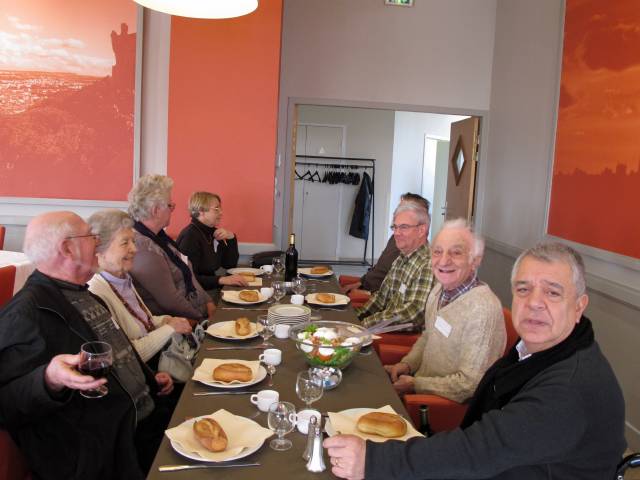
pixel 67 85
pixel 596 177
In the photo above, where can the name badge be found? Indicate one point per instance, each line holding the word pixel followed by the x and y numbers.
pixel 184 258
pixel 402 289
pixel 443 326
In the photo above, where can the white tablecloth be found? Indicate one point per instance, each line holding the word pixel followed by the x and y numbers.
pixel 23 265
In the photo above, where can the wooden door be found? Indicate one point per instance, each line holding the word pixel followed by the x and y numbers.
pixel 461 177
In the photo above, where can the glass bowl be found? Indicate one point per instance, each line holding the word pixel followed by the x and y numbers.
pixel 327 343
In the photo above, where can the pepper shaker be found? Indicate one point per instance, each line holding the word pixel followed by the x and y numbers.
pixel 316 461
pixel 313 421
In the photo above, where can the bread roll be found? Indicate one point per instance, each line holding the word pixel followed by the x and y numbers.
pixel 388 425
pixel 249 295
pixel 319 270
pixel 326 297
pixel 210 434
pixel 228 372
pixel 243 326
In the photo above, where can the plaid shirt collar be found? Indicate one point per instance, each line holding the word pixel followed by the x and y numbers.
pixel 448 296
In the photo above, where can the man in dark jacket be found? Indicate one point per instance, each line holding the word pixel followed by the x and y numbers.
pixel 62 434
pixel 550 409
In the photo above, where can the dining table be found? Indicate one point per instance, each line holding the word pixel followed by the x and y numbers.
pixel 364 384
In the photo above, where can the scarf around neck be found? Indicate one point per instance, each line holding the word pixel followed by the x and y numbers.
pixel 163 241
pixel 507 376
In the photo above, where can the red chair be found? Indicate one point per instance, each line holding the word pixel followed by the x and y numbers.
pixel 445 414
pixel 2 232
pixel 7 279
pixel 358 299
pixel 12 464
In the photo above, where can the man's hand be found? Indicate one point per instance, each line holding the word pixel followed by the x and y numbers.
pixel 405 384
pixel 396 370
pixel 351 286
pixel 222 234
pixel 165 383
pixel 179 324
pixel 61 373
pixel 235 280
pixel 347 456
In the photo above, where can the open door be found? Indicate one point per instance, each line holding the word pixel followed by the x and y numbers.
pixel 461 178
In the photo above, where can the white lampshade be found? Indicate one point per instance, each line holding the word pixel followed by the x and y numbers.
pixel 202 8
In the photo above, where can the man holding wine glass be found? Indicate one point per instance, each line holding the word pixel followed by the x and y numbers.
pixel 42 330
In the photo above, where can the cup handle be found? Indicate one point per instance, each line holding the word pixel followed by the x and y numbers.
pixel 254 399
pixel 293 418
pixel 261 357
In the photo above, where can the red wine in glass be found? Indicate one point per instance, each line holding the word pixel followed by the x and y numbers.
pixel 96 359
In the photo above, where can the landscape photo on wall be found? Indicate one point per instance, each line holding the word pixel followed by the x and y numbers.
pixel 67 96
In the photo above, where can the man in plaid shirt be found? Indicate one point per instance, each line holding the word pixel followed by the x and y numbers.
pixel 403 293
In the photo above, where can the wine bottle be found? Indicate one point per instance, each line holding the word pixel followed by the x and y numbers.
pixel 291 260
pixel 425 427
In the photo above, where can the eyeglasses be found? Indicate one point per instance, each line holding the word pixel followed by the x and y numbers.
pixel 403 227
pixel 215 209
pixel 454 253
pixel 171 206
pixel 95 236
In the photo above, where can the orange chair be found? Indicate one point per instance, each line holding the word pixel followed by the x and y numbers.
pixel 12 464
pixel 445 414
pixel 2 232
pixel 393 344
pixel 358 299
pixel 7 279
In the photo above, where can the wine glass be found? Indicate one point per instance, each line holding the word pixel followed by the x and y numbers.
pixel 299 285
pixel 96 359
pixel 309 387
pixel 278 266
pixel 267 328
pixel 282 420
pixel 279 291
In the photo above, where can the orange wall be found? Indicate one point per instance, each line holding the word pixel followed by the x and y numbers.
pixel 223 107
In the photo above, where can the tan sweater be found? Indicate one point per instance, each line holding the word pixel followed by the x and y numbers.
pixel 452 366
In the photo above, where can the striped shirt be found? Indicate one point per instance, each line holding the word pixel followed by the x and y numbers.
pixel 403 293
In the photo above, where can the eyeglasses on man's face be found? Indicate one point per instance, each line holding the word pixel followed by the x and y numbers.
pixel 95 236
pixel 403 227
pixel 216 208
pixel 171 206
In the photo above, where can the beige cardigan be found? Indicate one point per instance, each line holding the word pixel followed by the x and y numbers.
pixel 452 366
pixel 146 344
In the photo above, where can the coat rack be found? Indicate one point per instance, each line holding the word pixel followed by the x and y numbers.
pixel 351 164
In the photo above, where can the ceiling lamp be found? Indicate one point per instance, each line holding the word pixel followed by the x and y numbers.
pixel 202 8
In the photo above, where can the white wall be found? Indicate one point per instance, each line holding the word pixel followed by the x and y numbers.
pixel 368 134
pixel 408 150
pixel 525 84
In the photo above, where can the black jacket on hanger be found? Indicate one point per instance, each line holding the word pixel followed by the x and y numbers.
pixel 362 211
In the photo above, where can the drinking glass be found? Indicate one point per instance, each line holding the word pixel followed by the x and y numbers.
pixel 278 266
pixel 282 420
pixel 279 290
pixel 96 359
pixel 267 327
pixel 299 285
pixel 309 387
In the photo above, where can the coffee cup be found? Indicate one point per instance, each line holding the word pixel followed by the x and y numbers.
pixel 282 330
pixel 266 292
pixel 271 356
pixel 268 269
pixel 304 417
pixel 264 398
pixel 297 299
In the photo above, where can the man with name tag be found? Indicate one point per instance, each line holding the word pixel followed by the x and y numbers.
pixel 464 326
pixel 404 290
pixel 551 408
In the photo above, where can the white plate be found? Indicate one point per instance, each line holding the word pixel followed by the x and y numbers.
pixel 237 271
pixel 194 456
pixel 307 273
pixel 215 330
pixel 262 373
pixel 289 310
pixel 341 300
pixel 356 413
pixel 231 296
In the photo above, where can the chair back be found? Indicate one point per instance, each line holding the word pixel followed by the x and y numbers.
pixel 7 279
pixel 2 232
pixel 12 464
pixel 512 335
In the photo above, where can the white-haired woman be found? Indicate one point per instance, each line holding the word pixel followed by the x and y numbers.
pixel 161 273
pixel 149 333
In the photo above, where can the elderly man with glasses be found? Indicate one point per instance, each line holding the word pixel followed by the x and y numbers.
pixel 404 290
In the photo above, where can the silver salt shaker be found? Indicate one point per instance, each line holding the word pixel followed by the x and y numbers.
pixel 316 461
pixel 313 421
